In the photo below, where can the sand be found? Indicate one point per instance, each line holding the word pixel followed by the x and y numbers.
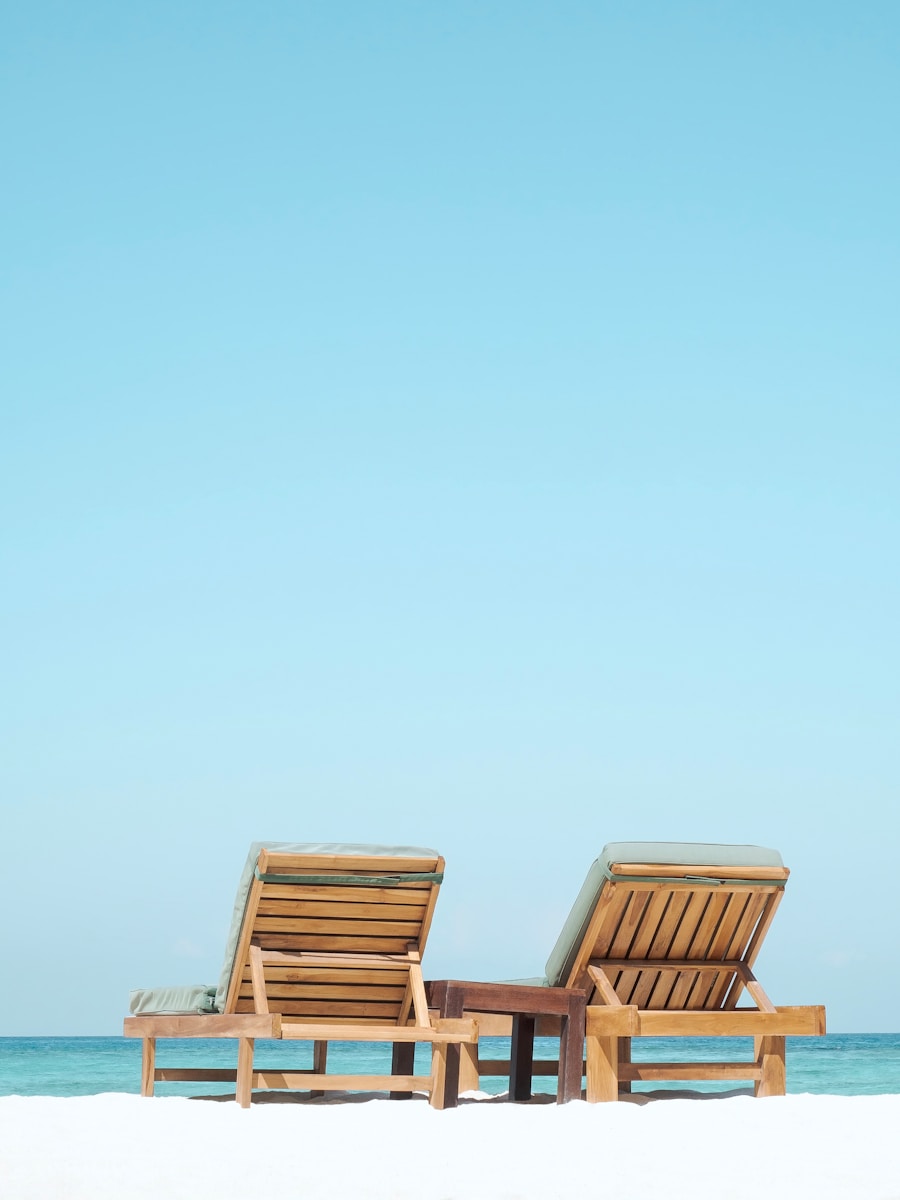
pixel 119 1146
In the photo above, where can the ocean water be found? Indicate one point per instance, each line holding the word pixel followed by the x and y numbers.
pixel 840 1064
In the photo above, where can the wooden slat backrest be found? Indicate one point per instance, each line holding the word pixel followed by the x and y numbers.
pixel 347 947
pixel 716 922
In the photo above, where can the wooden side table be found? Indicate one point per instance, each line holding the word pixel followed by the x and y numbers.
pixel 524 1003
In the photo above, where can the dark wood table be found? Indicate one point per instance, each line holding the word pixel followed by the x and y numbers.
pixel 525 1004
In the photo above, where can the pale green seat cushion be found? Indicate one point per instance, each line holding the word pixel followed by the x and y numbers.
pixel 562 956
pixel 190 998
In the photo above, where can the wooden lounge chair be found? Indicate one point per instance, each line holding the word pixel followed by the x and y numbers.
pixel 325 944
pixel 662 938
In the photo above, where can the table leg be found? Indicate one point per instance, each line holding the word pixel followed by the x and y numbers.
pixel 452 1006
pixel 521 1058
pixel 403 1063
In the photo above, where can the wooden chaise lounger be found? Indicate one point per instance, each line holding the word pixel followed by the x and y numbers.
pixel 661 942
pixel 325 944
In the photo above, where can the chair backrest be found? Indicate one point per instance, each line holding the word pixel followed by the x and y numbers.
pixel 670 925
pixel 338 928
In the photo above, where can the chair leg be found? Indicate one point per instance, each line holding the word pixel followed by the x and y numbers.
pixel 148 1065
pixel 441 1095
pixel 244 1084
pixel 602 1068
pixel 770 1053
pixel 469 1080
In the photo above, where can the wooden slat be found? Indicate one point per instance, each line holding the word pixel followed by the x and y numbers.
pixel 342 1083
pixel 207 1025
pixel 302 1079
pixel 544 1067
pixel 706 871
pixel 675 964
pixel 444 1030
pixel 322 976
pixel 341 910
pixel 276 989
pixel 272 862
pixel 299 927
pixel 341 960
pixel 733 886
pixel 196 1074
pixel 415 895
pixel 327 1021
pixel 804 1021
pixel 320 942
pixel 329 1009
pixel 647 1072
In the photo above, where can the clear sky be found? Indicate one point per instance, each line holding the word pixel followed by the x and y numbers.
pixel 471 425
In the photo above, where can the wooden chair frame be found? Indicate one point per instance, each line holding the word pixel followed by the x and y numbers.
pixel 299 940
pixel 671 958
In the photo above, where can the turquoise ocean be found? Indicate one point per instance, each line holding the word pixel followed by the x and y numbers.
pixel 847 1064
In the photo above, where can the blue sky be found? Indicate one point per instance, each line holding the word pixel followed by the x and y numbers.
pixel 466 425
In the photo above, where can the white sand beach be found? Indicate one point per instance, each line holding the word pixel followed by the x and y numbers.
pixel 112 1146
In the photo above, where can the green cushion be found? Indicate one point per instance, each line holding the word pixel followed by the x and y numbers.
pixel 688 854
pixel 191 998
